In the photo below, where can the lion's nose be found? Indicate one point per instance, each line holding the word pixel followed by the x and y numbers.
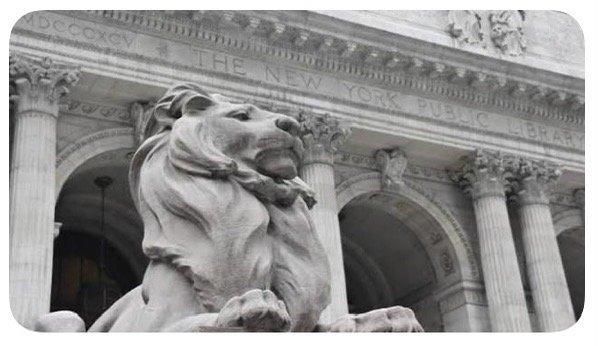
pixel 289 125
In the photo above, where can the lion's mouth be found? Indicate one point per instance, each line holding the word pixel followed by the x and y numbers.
pixel 278 163
pixel 283 145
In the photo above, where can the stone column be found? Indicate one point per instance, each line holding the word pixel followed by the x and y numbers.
pixel 484 177
pixel 548 284
pixel 39 84
pixel 322 134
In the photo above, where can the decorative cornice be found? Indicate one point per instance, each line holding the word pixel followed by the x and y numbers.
pixel 36 80
pixel 321 134
pixel 392 164
pixel 261 34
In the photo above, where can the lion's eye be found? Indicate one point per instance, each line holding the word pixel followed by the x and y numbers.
pixel 240 115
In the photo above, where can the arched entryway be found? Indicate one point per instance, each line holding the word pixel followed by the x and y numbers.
pixel 402 248
pixel 570 231
pixel 84 280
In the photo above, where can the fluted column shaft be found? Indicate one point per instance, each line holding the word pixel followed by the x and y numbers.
pixel 484 178
pixel 547 279
pixel 39 86
pixel 321 136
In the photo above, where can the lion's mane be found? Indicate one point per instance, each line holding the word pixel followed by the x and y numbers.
pixel 201 210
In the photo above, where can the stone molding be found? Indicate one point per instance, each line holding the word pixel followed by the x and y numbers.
pixel 485 173
pixel 76 154
pixel 38 84
pixel 253 31
pixel 321 135
pixel 369 162
pixel 106 112
pixel 459 294
pixel 392 164
pixel 568 219
pixel 432 174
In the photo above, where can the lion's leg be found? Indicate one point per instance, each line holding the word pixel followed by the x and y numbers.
pixel 393 319
pixel 256 310
pixel 119 313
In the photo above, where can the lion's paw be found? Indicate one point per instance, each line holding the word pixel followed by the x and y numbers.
pixel 256 310
pixel 393 319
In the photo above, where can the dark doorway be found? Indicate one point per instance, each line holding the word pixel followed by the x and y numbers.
pixel 80 282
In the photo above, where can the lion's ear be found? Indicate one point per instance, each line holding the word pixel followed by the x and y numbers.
pixel 197 103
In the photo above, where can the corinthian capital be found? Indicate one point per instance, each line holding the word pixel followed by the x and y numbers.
pixel 485 173
pixel 321 135
pixel 392 165
pixel 40 82
pixel 534 180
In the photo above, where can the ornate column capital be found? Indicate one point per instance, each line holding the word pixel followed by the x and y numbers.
pixel 39 83
pixel 321 135
pixel 392 164
pixel 534 180
pixel 486 173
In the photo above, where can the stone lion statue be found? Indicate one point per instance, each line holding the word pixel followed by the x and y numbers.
pixel 227 228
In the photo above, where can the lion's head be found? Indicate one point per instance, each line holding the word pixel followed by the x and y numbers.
pixel 214 136
pixel 215 181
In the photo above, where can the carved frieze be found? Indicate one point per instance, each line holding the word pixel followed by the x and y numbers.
pixel 465 26
pixel 411 170
pixel 506 31
pixel 108 112
pixel 402 68
pixel 502 30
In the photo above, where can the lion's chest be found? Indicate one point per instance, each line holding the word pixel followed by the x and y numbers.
pixel 241 252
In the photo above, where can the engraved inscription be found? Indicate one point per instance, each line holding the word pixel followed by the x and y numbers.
pixel 77 30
